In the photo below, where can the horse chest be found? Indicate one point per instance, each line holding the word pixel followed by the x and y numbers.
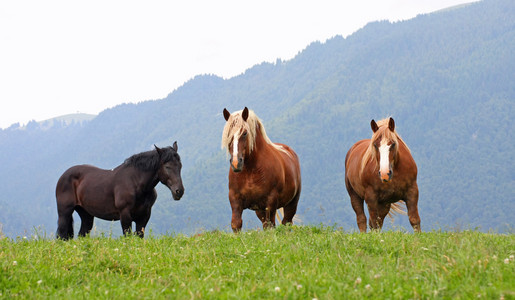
pixel 253 183
pixel 390 193
pixel 253 198
pixel 252 194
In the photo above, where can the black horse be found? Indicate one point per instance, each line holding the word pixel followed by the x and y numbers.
pixel 125 193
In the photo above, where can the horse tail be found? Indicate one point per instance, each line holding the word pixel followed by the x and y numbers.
pixel 397 208
pixel 279 214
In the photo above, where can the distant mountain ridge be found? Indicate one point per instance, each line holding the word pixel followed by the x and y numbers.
pixel 447 78
pixel 71 118
pixel 64 120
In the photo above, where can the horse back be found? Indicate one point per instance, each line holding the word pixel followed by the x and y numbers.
pixel 71 175
pixel 72 181
pixel 289 157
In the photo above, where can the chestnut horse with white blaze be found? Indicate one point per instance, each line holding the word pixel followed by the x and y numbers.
pixel 381 171
pixel 263 176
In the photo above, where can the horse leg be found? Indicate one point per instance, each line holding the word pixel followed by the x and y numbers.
pixel 86 221
pixel 140 228
pixel 290 209
pixel 236 221
pixel 126 221
pixel 357 204
pixel 266 218
pixel 65 222
pixel 141 223
pixel 412 206
pixel 374 220
pixel 142 217
pixel 270 210
pixel 382 209
pixel 373 209
pixel 269 217
pixel 237 210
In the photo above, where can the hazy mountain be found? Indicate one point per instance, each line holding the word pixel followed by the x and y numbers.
pixel 448 79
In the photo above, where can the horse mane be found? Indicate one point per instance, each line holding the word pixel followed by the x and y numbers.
pixel 235 124
pixel 382 132
pixel 150 160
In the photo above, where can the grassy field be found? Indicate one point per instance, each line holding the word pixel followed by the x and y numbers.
pixel 292 262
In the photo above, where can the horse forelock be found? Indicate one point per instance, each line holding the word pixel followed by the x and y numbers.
pixel 382 133
pixel 235 126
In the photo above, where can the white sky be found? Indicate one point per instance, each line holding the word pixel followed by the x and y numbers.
pixel 61 57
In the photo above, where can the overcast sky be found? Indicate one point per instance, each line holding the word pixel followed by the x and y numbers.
pixel 61 57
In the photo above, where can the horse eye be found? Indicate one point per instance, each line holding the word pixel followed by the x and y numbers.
pixel 244 134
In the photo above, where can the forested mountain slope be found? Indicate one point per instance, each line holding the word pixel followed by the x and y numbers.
pixel 447 78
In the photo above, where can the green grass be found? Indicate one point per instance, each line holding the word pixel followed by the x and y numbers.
pixel 286 263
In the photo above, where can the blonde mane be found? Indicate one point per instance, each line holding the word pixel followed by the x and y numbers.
pixel 382 133
pixel 236 126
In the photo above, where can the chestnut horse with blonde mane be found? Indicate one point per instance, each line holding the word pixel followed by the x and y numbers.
pixel 381 171
pixel 263 176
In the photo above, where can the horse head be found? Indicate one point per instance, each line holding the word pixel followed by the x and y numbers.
pixel 385 147
pixel 169 172
pixel 236 137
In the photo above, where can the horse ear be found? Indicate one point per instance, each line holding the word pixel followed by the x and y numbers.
pixel 245 114
pixel 374 126
pixel 227 114
pixel 391 124
pixel 174 147
pixel 159 151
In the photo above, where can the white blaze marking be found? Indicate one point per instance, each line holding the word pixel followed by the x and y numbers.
pixel 384 161
pixel 235 146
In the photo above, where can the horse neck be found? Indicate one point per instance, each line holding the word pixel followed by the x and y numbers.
pixel 146 179
pixel 261 147
pixel 396 157
pixel 406 154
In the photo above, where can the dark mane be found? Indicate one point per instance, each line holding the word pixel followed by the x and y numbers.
pixel 149 160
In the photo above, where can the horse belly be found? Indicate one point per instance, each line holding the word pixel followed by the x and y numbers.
pixel 106 212
pixel 97 200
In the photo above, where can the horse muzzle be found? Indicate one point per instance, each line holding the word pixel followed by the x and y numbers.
pixel 386 176
pixel 177 193
pixel 237 164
